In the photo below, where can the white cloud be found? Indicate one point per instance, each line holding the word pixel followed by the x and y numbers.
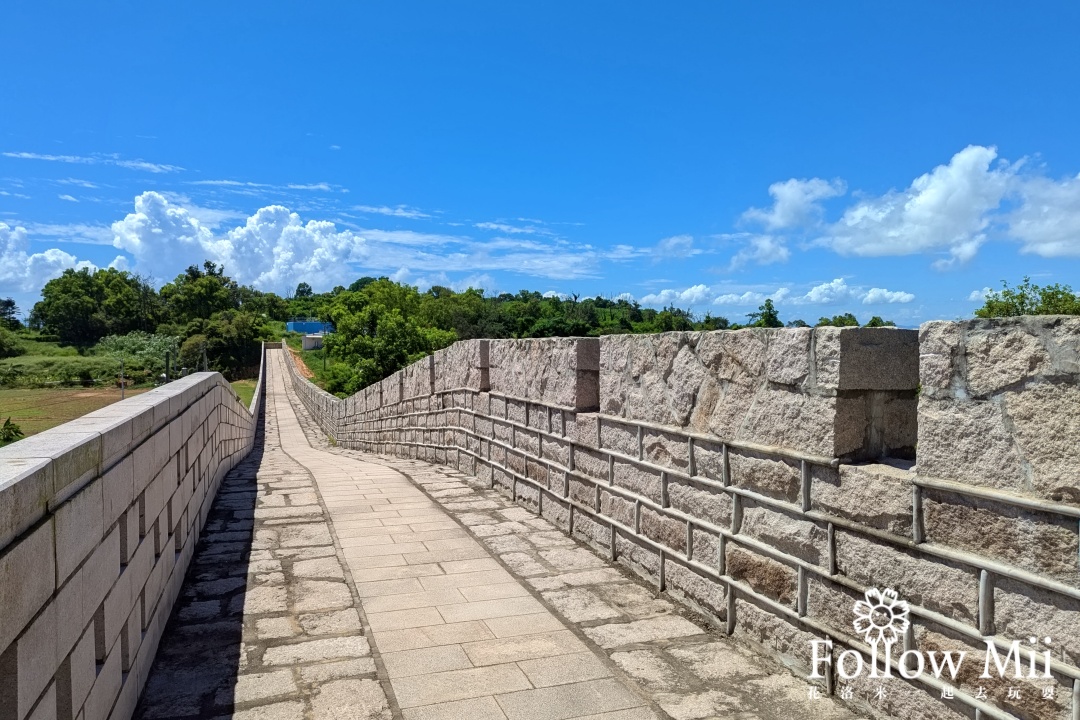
pixel 838 292
pixel 622 253
pixel 208 216
pixel 948 209
pixel 481 281
pixel 760 249
pixel 513 229
pixel 628 297
pixel 403 211
pixel 747 298
pixel 163 238
pixel 979 295
pixel 795 203
pixel 881 295
pixel 99 159
pixel 325 187
pixel 677 246
pixel 72 232
pixel 80 183
pixel 1048 219
pixel 274 249
pixel 68 198
pixel 752 297
pixel 833 292
pixel 21 271
pixel 694 295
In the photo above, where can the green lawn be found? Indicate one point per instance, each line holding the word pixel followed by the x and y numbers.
pixel 38 410
pixel 245 389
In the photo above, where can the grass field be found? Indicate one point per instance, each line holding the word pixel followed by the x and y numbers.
pixel 245 389
pixel 38 410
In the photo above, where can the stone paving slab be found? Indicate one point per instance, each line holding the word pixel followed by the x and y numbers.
pixel 337 584
pixel 627 638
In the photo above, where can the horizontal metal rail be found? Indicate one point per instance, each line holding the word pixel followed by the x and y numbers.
pixel 973 560
pixel 734 586
pixel 394 424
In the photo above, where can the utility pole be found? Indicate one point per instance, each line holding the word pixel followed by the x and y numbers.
pixel 204 364
pixel 168 358
pixel 122 387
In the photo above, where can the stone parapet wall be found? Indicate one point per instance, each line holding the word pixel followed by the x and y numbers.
pixel 99 518
pixel 767 478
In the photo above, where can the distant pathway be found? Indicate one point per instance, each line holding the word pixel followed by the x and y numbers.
pixel 379 587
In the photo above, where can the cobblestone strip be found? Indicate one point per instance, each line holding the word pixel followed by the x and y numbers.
pixel 266 627
pixel 689 669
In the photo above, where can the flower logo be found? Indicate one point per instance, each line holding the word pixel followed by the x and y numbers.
pixel 881 616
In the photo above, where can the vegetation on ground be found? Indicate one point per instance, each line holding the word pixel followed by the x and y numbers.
pixel 10 432
pixel 87 322
pixel 245 389
pixel 37 410
pixel 1029 299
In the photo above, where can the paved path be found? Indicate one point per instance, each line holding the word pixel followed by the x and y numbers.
pixel 381 587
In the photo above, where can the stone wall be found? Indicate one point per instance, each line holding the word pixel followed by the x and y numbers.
pixel 768 477
pixel 98 521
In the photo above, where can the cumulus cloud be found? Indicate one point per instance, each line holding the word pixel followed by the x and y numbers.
pixel 948 209
pixel 22 271
pixel 760 249
pixel 830 293
pixel 163 238
pixel 628 297
pixel 838 292
pixel 795 203
pixel 979 295
pixel 881 295
pixel 1047 222
pixel 274 249
pixel 475 281
pixel 747 298
pixel 691 296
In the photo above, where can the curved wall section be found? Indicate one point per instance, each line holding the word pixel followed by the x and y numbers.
pixel 98 521
pixel 767 477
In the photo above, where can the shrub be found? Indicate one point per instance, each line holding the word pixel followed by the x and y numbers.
pixel 10 432
pixel 10 345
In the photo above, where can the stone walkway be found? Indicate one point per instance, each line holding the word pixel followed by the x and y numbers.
pixel 374 586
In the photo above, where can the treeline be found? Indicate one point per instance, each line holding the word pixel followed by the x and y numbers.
pixel 381 326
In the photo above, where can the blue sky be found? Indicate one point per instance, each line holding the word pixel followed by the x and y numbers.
pixel 883 159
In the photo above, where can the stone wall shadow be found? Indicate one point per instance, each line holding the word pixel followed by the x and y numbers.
pixel 200 655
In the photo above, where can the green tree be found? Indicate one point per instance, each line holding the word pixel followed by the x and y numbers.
pixel 232 341
pixel 146 350
pixel 1029 299
pixel 876 321
pixel 303 290
pixel 766 316
pixel 10 346
pixel 82 306
pixel 9 314
pixel 845 320
pixel 199 293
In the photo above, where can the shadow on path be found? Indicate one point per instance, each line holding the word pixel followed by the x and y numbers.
pixel 199 656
